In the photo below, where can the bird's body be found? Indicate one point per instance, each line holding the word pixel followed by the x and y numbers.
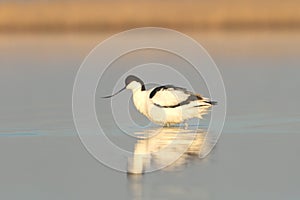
pixel 167 105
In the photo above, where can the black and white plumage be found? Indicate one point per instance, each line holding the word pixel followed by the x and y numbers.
pixel 166 104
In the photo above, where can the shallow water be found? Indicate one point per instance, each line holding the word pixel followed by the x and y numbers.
pixel 255 158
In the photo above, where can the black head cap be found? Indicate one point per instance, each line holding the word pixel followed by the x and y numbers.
pixel 131 78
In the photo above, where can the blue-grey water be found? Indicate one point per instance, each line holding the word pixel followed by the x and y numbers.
pixel 255 158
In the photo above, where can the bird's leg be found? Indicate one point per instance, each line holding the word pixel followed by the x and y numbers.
pixel 186 125
pixel 167 125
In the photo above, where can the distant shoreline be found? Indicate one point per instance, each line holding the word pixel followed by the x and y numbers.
pixel 92 16
pixel 40 28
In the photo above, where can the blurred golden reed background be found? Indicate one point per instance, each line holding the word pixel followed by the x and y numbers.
pixel 91 15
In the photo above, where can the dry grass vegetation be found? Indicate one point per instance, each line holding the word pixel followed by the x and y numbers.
pixel 107 15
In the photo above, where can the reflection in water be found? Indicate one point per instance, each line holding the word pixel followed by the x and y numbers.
pixel 165 148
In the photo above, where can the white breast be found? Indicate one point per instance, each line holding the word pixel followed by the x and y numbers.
pixel 140 101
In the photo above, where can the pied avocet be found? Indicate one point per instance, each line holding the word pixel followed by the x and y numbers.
pixel 167 104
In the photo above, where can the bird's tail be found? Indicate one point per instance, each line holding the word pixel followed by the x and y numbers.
pixel 211 102
pixel 206 103
pixel 203 107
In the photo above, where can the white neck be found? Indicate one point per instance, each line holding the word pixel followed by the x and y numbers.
pixel 139 100
pixel 134 86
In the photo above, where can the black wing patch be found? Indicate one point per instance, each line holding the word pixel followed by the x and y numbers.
pixel 190 96
pixel 187 101
pixel 166 87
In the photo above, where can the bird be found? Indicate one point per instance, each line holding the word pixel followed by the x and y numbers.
pixel 166 105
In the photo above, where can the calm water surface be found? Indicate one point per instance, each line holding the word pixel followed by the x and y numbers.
pixel 255 158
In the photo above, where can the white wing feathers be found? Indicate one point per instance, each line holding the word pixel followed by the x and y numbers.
pixel 170 97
